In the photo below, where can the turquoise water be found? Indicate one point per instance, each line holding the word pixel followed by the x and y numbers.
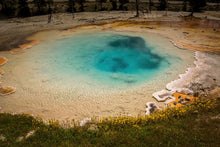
pixel 103 60
pixel 91 73
pixel 126 54
pixel 106 57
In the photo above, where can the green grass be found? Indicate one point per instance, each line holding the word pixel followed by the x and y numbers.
pixel 196 125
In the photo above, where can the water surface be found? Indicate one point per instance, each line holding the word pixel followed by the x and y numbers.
pixel 92 73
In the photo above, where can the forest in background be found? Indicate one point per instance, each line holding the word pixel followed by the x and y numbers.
pixel 26 8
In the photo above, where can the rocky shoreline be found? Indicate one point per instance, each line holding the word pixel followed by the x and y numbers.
pixel 201 81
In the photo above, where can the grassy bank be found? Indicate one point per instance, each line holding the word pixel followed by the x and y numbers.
pixel 195 125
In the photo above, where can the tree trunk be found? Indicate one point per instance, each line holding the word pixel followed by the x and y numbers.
pixel 101 5
pixel 81 7
pixel 50 3
pixel 49 13
pixel 39 7
pixel 166 7
pixel 72 11
pixel 191 14
pixel 137 8
pixel 217 6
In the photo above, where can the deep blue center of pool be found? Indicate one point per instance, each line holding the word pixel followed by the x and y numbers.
pixel 105 57
pixel 127 55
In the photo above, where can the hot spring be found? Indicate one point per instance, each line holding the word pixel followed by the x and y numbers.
pixel 91 73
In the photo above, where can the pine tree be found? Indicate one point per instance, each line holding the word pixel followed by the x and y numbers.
pixel 40 5
pixel 163 5
pixel 184 5
pixel 100 3
pixel 71 6
pixel 196 5
pixel 8 7
pixel 24 10
pixel 122 3
pixel 81 2
pixel 150 5
pixel 114 4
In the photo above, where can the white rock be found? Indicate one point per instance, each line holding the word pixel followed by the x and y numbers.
pixel 186 90
pixel 20 138
pixel 172 98
pixel 30 134
pixel 162 95
pixel 84 121
pixel 149 107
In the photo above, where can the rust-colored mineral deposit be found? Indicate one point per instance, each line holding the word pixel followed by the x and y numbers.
pixel 17 51
pixel 5 90
pixel 3 60
pixel 182 100
pixel 28 45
